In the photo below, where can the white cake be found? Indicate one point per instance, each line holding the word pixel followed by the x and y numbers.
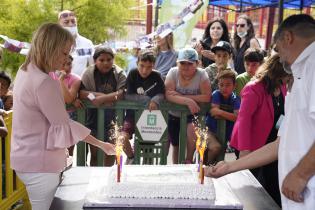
pixel 159 182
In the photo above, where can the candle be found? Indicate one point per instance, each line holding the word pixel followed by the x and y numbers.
pixel 118 172
pixel 121 163
pixel 197 148
pixel 202 178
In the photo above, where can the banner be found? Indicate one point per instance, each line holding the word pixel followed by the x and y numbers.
pixel 184 15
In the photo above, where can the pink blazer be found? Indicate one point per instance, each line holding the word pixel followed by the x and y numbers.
pixel 255 118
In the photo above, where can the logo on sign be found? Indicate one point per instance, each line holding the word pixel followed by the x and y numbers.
pixel 151 119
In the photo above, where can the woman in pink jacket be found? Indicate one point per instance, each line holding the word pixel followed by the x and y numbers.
pixel 262 104
pixel 41 126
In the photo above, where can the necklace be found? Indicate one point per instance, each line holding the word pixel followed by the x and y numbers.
pixel 277 100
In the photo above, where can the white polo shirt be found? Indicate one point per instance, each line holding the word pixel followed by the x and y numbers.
pixel 297 132
pixel 82 55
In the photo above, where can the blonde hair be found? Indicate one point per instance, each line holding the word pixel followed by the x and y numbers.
pixel 47 45
pixel 169 43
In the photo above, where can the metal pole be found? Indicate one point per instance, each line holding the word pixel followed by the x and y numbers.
pixel 280 18
pixel 149 17
pixel 156 20
pixel 271 17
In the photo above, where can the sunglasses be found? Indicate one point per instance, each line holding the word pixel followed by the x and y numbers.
pixel 67 14
pixel 240 25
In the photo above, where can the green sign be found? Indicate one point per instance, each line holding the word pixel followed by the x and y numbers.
pixel 151 119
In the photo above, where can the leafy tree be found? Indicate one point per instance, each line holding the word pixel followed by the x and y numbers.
pixel 98 20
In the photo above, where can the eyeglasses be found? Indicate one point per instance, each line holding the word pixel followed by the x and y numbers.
pixel 240 25
pixel 66 14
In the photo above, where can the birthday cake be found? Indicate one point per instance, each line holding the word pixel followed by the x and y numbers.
pixel 158 182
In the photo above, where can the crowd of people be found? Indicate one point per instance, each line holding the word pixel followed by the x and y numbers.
pixel 260 98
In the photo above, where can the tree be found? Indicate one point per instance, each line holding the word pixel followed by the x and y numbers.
pixel 98 20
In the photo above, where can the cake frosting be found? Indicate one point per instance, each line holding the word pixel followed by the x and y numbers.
pixel 159 182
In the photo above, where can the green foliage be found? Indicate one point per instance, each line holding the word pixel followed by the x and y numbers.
pixel 98 20
pixel 121 60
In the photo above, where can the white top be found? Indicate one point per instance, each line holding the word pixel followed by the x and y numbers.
pixel 297 132
pixel 82 55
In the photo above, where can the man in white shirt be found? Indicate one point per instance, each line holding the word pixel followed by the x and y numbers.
pixel 84 49
pixel 295 146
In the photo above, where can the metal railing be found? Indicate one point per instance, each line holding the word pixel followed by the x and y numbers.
pixel 12 189
pixel 138 107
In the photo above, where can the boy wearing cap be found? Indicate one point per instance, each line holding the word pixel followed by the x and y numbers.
pixel 187 85
pixel 222 52
pixel 253 58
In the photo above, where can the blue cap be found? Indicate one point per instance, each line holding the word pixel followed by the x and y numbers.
pixel 187 54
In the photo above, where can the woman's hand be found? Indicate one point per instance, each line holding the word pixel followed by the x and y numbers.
pixel 220 169
pixel 108 148
pixel 199 48
pixel 208 54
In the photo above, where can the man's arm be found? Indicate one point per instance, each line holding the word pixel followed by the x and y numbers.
pixel 260 157
pixel 295 182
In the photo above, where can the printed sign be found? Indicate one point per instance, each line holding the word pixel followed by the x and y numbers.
pixel 151 125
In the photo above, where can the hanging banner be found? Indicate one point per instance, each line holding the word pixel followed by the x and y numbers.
pixel 183 16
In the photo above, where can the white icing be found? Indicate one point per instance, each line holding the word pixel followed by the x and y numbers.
pixel 159 182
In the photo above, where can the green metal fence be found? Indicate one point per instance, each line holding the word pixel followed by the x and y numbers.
pixel 152 153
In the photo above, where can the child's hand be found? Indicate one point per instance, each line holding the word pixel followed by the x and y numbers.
pixel 173 93
pixel 192 105
pixel 97 101
pixel 215 112
pixel 3 112
pixel 62 75
pixel 78 104
pixel 152 106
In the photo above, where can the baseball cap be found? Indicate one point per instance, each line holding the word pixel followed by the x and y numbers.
pixel 222 45
pixel 187 54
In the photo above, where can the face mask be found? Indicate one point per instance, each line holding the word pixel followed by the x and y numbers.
pixel 73 30
pixel 242 34
pixel 286 66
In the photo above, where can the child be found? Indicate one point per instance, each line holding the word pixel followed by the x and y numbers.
pixel 222 54
pixel 224 105
pixel 5 81
pixel 187 85
pixel 102 83
pixel 143 83
pixel 70 85
pixel 253 58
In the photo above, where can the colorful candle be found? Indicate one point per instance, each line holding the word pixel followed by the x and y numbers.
pixel 202 152
pixel 202 178
pixel 197 148
pixel 118 172
pixel 119 149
